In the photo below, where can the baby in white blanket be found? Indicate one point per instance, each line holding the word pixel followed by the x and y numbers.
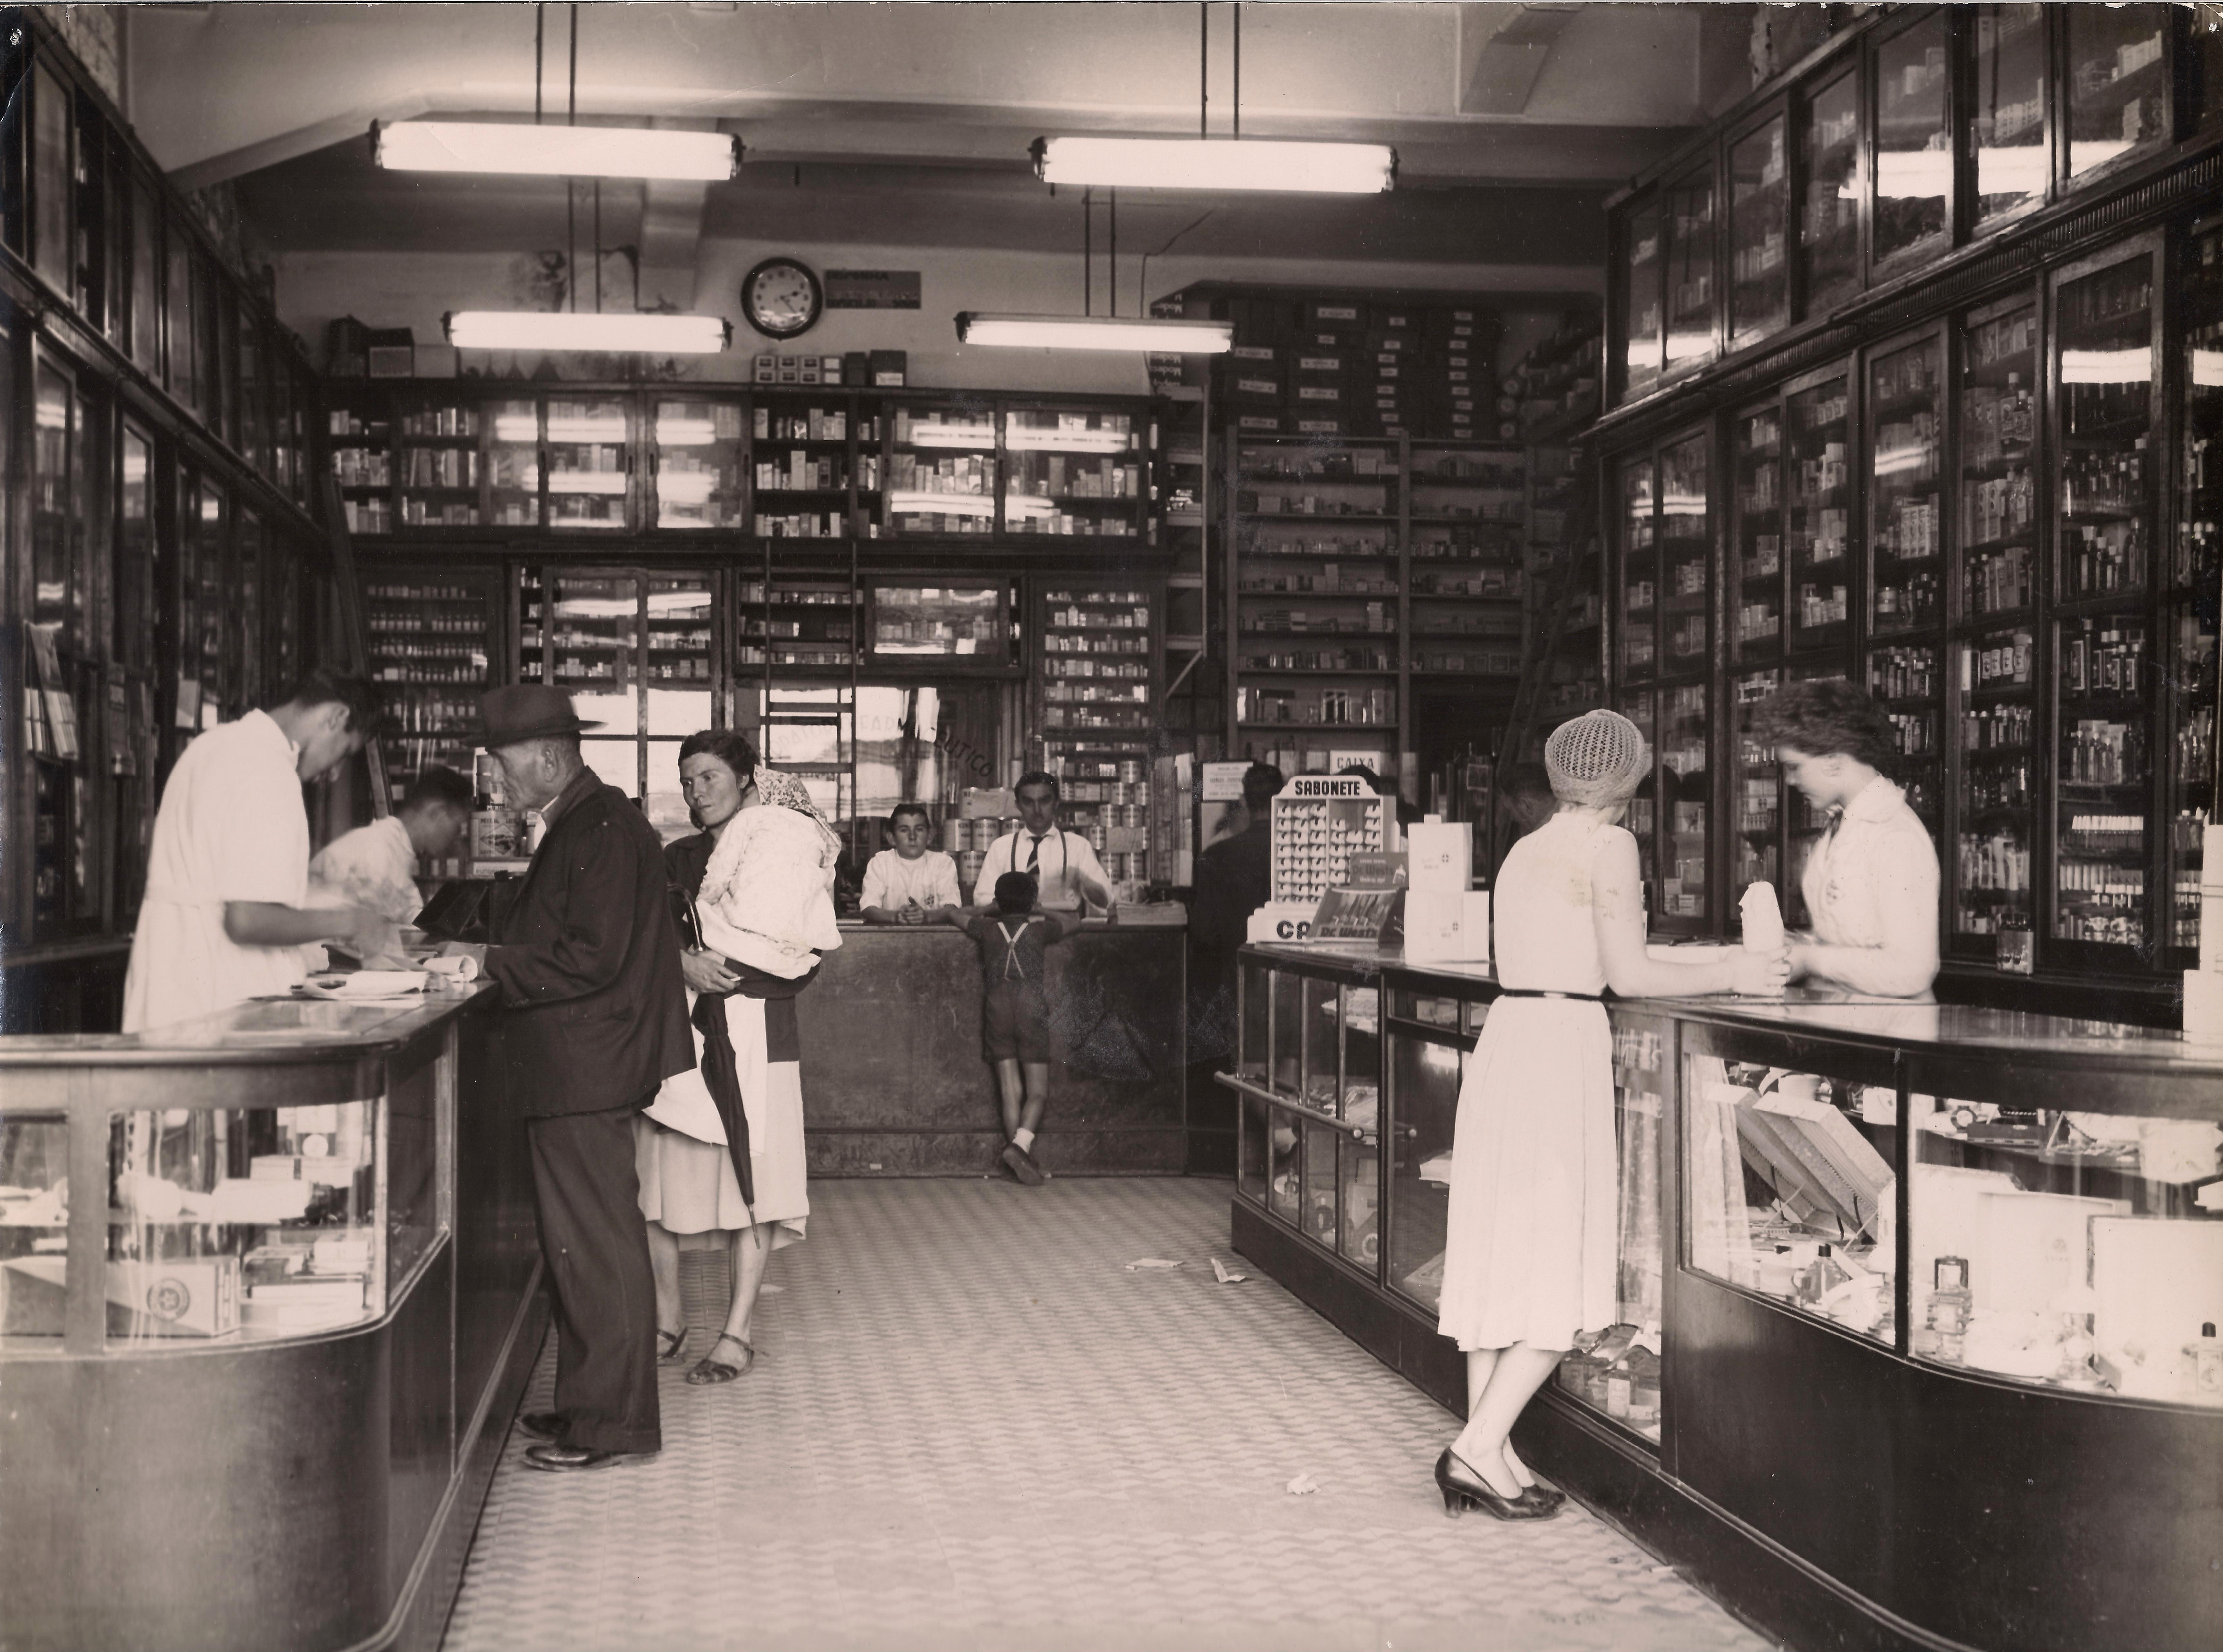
pixel 767 896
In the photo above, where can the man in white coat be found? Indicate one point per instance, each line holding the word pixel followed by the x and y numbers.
pixel 224 920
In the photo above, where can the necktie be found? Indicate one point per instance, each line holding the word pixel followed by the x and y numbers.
pixel 1033 853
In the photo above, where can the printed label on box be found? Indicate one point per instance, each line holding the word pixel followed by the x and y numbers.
pixel 1320 393
pixel 1319 363
pixel 1254 352
pixel 1336 312
pixel 1258 387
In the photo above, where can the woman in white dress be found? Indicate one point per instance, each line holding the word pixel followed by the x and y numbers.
pixel 722 1148
pixel 1529 1258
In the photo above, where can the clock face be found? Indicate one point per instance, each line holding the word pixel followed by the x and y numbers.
pixel 781 298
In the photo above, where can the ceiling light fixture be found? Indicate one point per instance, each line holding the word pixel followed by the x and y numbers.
pixel 1287 165
pixel 650 335
pixel 1095 332
pixel 555 151
pixel 1222 164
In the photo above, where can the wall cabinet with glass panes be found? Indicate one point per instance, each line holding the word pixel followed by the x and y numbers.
pixel 1918 130
pixel 1101 651
pixel 433 636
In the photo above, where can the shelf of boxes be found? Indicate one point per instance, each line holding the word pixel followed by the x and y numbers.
pixel 807 624
pixel 941 471
pixel 1074 472
pixel 362 466
pixel 436 456
pixel 1097 711
pixel 430 640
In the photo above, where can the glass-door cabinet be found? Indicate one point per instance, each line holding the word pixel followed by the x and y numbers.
pixel 1828 266
pixel 1905 421
pixel 2008 87
pixel 1912 148
pixel 1074 471
pixel 942 468
pixel 1640 262
pixel 2107 347
pixel 2193 592
pixel 1693 303
pixel 1759 213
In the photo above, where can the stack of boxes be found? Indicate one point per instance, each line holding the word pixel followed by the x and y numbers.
pixel 1335 367
pixel 1444 920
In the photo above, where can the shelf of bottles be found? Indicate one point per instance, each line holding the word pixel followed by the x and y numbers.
pixel 2107 365
pixel 1829 209
pixel 815 467
pixel 1756 593
pixel 695 459
pixel 797 622
pixel 1097 707
pixel 1906 609
pixel 430 636
pixel 1072 472
pixel 1913 144
pixel 1468 512
pixel 2007 123
pixel 1317 573
pixel 1641 707
pixel 1760 266
pixel 942 469
pixel 2194 586
pixel 359 439
pixel 1637 604
pixel 1690 271
pixel 1755 790
pixel 589 446
pixel 2117 83
pixel 435 455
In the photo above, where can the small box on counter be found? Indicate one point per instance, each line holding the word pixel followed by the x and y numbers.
pixel 1446 927
pixel 1440 856
pixel 891 369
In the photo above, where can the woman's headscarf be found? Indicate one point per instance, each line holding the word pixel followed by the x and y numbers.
pixel 787 791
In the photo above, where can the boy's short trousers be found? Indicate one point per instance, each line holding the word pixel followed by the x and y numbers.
pixel 1015 1022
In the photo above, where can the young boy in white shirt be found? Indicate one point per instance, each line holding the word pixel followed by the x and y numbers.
pixel 910 883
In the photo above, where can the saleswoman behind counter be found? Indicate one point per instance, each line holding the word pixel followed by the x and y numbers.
pixel 1871 881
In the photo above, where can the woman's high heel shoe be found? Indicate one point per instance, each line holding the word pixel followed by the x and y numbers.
pixel 1463 1489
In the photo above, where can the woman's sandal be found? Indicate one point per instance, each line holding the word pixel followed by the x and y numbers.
pixel 711 1369
pixel 668 1345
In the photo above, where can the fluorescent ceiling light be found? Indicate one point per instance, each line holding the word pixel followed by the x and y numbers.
pixel 555 151
pixel 1096 332
pixel 561 330
pixel 1222 163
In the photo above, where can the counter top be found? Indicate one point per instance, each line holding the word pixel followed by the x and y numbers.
pixel 1167 916
pixel 268 1029
pixel 1957 1029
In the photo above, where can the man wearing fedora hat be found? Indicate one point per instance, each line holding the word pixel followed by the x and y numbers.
pixel 587 960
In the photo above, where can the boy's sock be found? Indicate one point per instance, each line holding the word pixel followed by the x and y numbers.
pixel 1023 1139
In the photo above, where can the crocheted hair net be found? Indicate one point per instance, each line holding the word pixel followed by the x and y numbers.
pixel 1598 758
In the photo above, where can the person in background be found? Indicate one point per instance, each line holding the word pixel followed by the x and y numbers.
pixel 1064 865
pixel 722 1150
pixel 1530 1248
pixel 1407 814
pixel 1871 882
pixel 1014 1008
pixel 1233 879
pixel 593 1020
pixel 374 867
pixel 225 914
pixel 1525 802
pixel 910 882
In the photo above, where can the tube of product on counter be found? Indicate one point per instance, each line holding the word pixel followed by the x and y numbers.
pixel 1763 919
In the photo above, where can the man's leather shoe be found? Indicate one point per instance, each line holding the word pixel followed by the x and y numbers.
pixel 543 1425
pixel 566 1460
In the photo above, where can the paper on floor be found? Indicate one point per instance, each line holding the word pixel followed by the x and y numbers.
pixel 1227 1276
pixel 1140 1263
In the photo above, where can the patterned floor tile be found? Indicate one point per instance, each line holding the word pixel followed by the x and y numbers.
pixel 973 1429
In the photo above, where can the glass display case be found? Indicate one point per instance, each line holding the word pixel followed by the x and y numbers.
pixel 1069 471
pixel 1689 276
pixel 2008 81
pixel 589 445
pixel 1642 276
pixel 942 469
pixel 436 454
pixel 2117 60
pixel 1759 214
pixel 1429 1043
pixel 2066 1250
pixel 696 462
pixel 801 621
pixel 944 626
pixel 1912 144
pixel 1828 264
pixel 1686 798
pixel 1641 707
pixel 2196 568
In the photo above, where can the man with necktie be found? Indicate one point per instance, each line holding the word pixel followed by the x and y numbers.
pixel 1063 864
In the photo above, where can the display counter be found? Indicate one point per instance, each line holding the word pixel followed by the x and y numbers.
pixel 1909 1346
pixel 259 1369
pixel 915 1098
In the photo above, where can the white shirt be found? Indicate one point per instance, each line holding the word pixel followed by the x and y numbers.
pixel 891 881
pixel 231 826
pixel 373 867
pixel 1871 883
pixel 1058 859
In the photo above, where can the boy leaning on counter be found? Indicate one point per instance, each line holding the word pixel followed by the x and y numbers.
pixel 910 883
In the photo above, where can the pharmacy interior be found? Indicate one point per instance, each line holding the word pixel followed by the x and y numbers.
pixel 1897 361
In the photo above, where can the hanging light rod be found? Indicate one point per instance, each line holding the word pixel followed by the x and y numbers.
pixel 646 335
pixel 1097 332
pixel 555 151
pixel 1229 164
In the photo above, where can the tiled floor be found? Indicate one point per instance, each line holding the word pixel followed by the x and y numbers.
pixel 972 1427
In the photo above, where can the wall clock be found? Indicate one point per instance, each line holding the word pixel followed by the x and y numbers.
pixel 782 298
